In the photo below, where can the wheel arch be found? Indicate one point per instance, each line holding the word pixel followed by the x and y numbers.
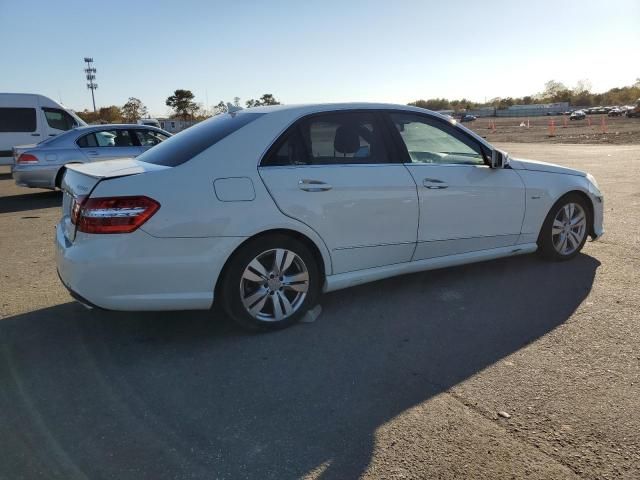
pixel 324 262
pixel 588 201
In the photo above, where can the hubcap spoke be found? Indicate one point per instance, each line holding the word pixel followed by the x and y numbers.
pixel 255 302
pixel 286 305
pixel 298 282
pixel 575 238
pixel 577 220
pixel 255 272
pixel 557 227
pixel 278 313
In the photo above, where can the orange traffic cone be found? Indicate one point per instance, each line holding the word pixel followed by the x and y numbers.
pixel 603 125
pixel 552 128
pixel 564 122
pixel 589 121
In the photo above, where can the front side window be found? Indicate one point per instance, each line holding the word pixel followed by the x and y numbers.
pixel 17 120
pixel 149 138
pixel 429 142
pixel 59 119
pixel 332 139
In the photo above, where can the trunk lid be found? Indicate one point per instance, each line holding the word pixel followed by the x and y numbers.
pixel 81 179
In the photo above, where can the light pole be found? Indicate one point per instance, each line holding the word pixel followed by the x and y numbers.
pixel 91 76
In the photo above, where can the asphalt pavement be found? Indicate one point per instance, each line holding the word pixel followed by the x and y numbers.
pixel 516 368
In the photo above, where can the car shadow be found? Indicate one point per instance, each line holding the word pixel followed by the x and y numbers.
pixel 5 176
pixel 177 395
pixel 30 201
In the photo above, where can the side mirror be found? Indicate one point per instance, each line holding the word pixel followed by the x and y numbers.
pixel 499 159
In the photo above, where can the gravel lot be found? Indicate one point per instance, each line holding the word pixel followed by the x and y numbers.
pixel 403 378
pixel 618 130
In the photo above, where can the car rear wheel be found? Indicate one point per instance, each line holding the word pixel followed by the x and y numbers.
pixel 565 229
pixel 270 283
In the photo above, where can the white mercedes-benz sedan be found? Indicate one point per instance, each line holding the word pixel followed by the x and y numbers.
pixel 266 208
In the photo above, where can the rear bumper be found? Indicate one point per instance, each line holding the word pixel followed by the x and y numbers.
pixel 38 176
pixel 139 272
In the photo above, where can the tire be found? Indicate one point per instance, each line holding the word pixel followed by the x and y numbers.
pixel 267 291
pixel 58 180
pixel 564 221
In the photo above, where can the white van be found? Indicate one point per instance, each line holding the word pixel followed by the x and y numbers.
pixel 27 118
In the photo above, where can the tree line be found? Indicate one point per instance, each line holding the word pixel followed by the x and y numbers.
pixel 182 103
pixel 554 92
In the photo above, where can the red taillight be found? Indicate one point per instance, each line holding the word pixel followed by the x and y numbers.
pixel 112 214
pixel 27 158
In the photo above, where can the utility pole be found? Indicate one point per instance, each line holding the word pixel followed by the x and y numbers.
pixel 91 76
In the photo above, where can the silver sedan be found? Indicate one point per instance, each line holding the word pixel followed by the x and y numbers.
pixel 42 165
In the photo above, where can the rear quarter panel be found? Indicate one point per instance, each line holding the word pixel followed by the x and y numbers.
pixel 189 205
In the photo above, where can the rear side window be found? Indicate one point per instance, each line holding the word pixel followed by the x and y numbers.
pixel 59 119
pixel 17 119
pixel 344 138
pixel 190 142
pixel 106 138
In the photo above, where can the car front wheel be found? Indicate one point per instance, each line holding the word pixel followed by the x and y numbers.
pixel 565 229
pixel 270 283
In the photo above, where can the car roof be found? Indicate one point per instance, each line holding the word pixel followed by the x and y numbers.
pixel 108 126
pixel 307 108
pixel 293 112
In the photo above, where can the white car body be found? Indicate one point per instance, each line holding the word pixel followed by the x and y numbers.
pixel 45 118
pixel 364 221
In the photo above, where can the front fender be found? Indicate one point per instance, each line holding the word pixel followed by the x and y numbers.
pixel 544 189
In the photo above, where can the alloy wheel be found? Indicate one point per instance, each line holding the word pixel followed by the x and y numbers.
pixel 274 285
pixel 569 228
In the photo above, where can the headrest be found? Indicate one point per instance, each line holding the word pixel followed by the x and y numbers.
pixel 346 140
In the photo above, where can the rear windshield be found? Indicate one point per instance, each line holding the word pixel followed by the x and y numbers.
pixel 187 144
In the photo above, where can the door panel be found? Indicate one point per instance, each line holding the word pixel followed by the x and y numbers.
pixel 472 208
pixel 465 206
pixel 366 214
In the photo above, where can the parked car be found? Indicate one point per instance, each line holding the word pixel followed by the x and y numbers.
pixel 43 165
pixel 152 122
pixel 616 112
pixel 29 118
pixel 578 115
pixel 468 118
pixel 634 111
pixel 264 209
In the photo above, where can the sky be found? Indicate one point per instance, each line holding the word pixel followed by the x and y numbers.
pixel 392 51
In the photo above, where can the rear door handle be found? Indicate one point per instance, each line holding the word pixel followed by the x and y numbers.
pixel 35 134
pixel 434 184
pixel 93 153
pixel 313 186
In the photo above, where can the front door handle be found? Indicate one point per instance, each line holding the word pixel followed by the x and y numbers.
pixel 434 183
pixel 313 186
pixel 35 134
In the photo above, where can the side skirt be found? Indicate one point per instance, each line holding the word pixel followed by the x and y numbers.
pixel 351 279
